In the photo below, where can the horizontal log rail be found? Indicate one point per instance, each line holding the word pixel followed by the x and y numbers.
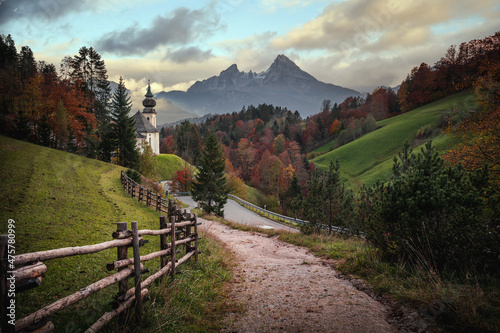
pixel 72 299
pixel 25 258
pixel 125 262
pixel 161 272
pixel 30 272
pixel 99 324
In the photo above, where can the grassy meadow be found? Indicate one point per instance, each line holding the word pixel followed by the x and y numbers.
pixel 59 200
pixel 370 158
pixel 168 164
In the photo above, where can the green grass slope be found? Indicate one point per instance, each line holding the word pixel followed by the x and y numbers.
pixel 370 158
pixel 59 200
pixel 168 164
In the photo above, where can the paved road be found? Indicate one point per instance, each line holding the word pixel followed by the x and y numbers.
pixel 233 211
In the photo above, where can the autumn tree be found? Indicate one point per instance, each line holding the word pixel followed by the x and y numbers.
pixel 167 145
pixel 182 180
pixel 246 155
pixel 60 126
pixel 209 187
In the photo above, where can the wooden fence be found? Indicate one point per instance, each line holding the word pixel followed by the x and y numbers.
pixel 29 267
pixel 145 195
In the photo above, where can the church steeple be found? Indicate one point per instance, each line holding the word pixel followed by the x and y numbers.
pixel 149 103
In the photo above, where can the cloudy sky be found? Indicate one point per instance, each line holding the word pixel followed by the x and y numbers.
pixel 358 44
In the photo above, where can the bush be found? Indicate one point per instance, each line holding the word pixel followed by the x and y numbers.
pixel 424 132
pixel 431 214
pixel 134 175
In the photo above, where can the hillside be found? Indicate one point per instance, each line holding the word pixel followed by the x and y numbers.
pixel 58 200
pixel 168 164
pixel 370 158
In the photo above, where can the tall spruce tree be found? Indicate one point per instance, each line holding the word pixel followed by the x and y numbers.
pixel 90 69
pixel 209 187
pixel 123 137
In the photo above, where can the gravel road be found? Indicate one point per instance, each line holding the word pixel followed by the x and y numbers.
pixel 284 288
pixel 234 212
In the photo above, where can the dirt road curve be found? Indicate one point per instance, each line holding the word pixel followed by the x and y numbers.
pixel 287 289
pixel 233 211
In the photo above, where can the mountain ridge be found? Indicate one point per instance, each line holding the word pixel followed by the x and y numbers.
pixel 282 84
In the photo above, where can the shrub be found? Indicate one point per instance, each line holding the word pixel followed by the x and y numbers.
pixel 134 175
pixel 431 214
pixel 424 132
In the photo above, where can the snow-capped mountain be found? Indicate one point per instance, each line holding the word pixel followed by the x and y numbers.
pixel 283 84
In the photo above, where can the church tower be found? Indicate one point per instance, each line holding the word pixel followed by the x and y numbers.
pixel 149 103
pixel 145 124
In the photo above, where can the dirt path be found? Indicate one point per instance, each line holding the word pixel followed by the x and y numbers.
pixel 287 289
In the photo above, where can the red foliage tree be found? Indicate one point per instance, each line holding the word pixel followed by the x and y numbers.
pixel 182 180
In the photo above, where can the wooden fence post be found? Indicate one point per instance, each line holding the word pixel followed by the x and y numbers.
pixel 140 193
pixel 148 198
pixel 195 218
pixel 188 233
pixel 172 244
pixel 169 213
pixel 137 268
pixel 122 254
pixel 158 202
pixel 163 241
pixel 5 298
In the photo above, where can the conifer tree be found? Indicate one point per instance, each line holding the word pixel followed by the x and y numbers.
pixel 123 128
pixel 209 187
pixel 90 70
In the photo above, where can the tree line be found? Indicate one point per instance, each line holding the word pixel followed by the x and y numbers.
pixel 71 109
pixel 456 71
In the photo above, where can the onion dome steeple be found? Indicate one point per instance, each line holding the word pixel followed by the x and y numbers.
pixel 149 103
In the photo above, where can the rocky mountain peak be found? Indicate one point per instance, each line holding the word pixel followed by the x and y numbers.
pixel 283 84
pixel 230 71
pixel 283 67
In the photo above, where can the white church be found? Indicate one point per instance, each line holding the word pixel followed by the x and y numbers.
pixel 145 124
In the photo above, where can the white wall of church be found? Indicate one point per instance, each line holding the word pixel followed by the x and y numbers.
pixel 154 142
pixel 152 139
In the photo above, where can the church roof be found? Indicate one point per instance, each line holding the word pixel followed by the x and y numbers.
pixel 142 124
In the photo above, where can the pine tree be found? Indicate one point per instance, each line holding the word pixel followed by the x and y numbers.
pixel 209 187
pixel 313 205
pixel 123 135
pixel 90 70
